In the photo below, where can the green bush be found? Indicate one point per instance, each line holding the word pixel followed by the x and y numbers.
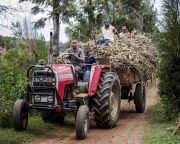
pixel 124 21
pixel 7 42
pixel 6 112
pixel 42 48
pixel 14 63
pixel 13 81
pixel 169 68
pixel 159 132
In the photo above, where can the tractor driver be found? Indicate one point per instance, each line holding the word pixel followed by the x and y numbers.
pixel 76 57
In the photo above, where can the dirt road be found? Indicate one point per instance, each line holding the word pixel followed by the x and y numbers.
pixel 129 130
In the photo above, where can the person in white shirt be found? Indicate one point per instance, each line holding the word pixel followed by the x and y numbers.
pixel 108 33
pixel 124 31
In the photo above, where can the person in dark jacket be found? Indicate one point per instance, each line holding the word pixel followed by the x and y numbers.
pixel 89 59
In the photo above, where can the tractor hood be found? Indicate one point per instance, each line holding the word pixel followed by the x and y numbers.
pixel 63 69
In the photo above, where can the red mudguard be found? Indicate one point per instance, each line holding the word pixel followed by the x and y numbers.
pixel 95 81
pixel 97 70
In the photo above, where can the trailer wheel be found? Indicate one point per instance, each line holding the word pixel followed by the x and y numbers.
pixel 106 103
pixel 20 115
pixel 140 98
pixel 82 122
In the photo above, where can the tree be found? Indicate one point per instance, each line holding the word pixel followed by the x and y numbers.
pixel 78 31
pixel 141 12
pixel 16 29
pixel 61 10
pixel 169 53
pixel 24 30
pixel 3 8
pixel 5 11
pixel 149 18
pixel 89 9
pixel 136 14
pixel 89 17
pixel 84 24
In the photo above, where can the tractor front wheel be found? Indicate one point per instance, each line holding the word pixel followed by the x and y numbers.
pixel 20 115
pixel 106 102
pixel 82 122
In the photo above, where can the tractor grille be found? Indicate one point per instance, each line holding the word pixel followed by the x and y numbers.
pixel 43 79
pixel 42 92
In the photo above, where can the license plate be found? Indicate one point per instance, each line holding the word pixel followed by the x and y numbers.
pixel 43 98
pixel 42 79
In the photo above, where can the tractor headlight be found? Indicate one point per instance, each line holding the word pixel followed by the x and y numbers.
pixel 50 99
pixel 37 98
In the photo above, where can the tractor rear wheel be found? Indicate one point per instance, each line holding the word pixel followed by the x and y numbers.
pixel 20 115
pixel 140 98
pixel 106 102
pixel 82 122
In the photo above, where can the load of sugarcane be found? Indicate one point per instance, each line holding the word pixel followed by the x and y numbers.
pixel 134 50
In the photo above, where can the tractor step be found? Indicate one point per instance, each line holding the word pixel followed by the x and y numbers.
pixel 80 96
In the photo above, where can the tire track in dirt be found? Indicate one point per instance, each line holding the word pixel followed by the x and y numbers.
pixel 129 130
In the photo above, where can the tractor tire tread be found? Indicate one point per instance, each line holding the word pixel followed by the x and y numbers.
pixel 102 112
pixel 82 114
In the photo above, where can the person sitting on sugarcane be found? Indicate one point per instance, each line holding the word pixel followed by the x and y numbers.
pixel 108 33
pixel 123 32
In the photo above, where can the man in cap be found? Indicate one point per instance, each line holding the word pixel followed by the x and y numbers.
pixel 108 33
pixel 76 56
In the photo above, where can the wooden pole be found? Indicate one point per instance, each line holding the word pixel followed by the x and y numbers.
pixel 176 129
pixel 50 51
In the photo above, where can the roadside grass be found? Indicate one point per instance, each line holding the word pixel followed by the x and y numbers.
pixel 36 127
pixel 159 132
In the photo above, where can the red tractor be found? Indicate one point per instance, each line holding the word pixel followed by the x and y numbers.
pixel 52 89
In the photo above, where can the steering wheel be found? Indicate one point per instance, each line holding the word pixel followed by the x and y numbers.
pixel 65 61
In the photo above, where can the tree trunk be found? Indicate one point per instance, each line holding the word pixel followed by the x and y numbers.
pixel 107 8
pixel 90 17
pixel 123 8
pixel 56 27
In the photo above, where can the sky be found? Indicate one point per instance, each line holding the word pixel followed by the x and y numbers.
pixel 24 10
pixel 158 4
